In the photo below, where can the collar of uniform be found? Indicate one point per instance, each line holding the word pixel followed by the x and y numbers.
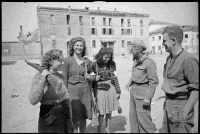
pixel 142 58
pixel 176 56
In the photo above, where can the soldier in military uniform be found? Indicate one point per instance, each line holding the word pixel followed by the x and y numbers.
pixel 180 83
pixel 143 83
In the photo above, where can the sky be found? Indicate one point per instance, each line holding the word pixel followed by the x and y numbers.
pixel 15 14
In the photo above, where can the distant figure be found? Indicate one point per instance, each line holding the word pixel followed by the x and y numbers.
pixel 143 83
pixel 181 83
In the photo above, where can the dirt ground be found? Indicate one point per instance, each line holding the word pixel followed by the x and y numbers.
pixel 19 116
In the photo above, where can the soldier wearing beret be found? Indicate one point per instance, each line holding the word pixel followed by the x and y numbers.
pixel 143 83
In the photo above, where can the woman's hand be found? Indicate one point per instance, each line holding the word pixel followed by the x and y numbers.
pixel 87 76
pixel 97 77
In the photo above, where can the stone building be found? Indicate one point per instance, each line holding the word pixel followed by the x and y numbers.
pixel 100 28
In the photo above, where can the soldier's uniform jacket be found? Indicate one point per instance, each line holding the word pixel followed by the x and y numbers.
pixel 144 78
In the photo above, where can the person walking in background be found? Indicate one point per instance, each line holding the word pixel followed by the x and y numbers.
pixel 143 82
pixel 77 81
pixel 108 90
pixel 55 104
pixel 181 83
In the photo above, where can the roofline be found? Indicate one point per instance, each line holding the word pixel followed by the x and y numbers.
pixel 9 42
pixel 101 12
pixel 190 28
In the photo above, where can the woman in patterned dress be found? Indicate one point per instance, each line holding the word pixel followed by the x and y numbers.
pixel 107 93
pixel 77 82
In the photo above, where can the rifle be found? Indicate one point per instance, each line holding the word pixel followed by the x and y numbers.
pixel 94 103
pixel 57 85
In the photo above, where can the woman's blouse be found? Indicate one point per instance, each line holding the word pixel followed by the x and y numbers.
pixel 73 72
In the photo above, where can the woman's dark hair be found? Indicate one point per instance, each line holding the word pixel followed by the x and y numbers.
pixel 101 53
pixel 71 45
pixel 49 56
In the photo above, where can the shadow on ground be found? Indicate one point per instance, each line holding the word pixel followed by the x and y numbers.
pixel 8 62
pixel 117 125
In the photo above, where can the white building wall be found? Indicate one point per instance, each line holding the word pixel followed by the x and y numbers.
pixel 190 44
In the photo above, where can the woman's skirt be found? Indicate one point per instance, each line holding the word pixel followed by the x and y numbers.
pixel 81 101
pixel 107 99
pixel 52 120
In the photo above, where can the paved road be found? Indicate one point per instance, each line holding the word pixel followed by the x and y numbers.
pixel 19 116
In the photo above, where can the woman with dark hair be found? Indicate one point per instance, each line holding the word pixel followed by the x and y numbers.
pixel 108 92
pixel 76 71
pixel 54 110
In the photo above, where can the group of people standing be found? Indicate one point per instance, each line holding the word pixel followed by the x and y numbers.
pixel 82 86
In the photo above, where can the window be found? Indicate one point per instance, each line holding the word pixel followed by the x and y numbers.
pixel 81 31
pixel 81 20
pixel 110 21
pixel 159 37
pixel 53 44
pixel 159 47
pixel 153 38
pixel 141 32
pixel 52 19
pixel 141 22
pixel 123 46
pixel 104 21
pixel 122 32
pixel 104 31
pixel 93 44
pixel 68 19
pixel 53 30
pixel 94 31
pixel 122 22
pixel 128 23
pixel 93 21
pixel 110 31
pixel 186 36
pixel 197 36
pixel 129 31
pixel 68 31
pixel 186 47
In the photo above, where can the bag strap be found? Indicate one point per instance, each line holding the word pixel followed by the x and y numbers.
pixel 96 65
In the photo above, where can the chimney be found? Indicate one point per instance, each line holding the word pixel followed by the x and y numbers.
pixel 21 31
pixel 115 10
pixel 86 8
pixel 98 8
pixel 69 7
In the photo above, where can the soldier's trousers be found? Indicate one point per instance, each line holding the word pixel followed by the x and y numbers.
pixel 140 116
pixel 173 121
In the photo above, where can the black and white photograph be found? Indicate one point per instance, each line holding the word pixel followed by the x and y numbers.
pixel 100 67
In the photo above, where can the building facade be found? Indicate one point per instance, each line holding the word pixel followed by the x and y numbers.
pixel 190 40
pixel 100 28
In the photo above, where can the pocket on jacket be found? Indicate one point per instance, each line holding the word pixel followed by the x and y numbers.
pixel 49 119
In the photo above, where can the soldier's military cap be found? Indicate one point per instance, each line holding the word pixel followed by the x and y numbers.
pixel 140 43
